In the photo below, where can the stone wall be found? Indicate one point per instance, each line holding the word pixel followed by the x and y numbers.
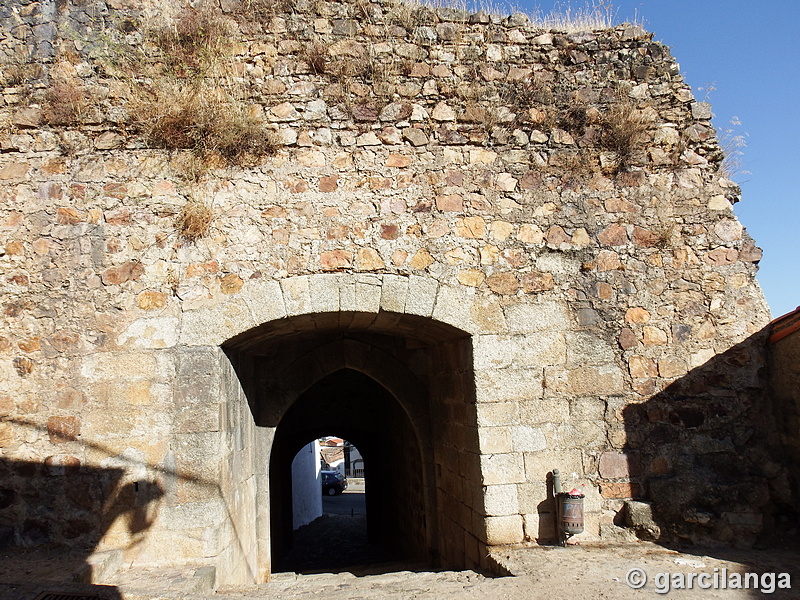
pixel 784 358
pixel 541 214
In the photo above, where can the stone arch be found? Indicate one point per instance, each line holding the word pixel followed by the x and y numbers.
pixel 409 336
pixel 385 296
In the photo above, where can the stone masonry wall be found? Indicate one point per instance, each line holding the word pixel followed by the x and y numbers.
pixel 784 361
pixel 557 196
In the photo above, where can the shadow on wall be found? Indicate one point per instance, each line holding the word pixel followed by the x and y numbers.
pixel 704 453
pixel 54 513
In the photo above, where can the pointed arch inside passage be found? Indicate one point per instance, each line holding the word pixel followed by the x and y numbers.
pixel 364 412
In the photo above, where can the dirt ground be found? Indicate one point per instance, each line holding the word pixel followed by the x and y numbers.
pixel 577 572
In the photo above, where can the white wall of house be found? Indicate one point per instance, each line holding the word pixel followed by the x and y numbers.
pixel 356 460
pixel 306 486
pixel 338 465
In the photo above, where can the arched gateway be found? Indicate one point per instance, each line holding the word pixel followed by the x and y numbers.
pixel 388 362
pixel 483 250
pixel 398 384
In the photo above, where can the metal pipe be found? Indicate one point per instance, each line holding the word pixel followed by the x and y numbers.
pixel 557 501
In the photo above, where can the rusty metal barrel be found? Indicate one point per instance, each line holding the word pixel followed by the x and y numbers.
pixel 570 514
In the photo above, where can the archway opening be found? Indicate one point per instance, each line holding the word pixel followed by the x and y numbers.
pixel 401 387
pixel 365 413
pixel 329 511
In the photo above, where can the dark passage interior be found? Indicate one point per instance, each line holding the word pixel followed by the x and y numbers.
pixel 401 389
pixel 364 412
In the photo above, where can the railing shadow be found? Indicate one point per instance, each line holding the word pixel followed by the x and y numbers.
pixel 54 514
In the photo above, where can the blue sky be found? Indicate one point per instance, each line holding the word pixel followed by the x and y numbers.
pixel 744 55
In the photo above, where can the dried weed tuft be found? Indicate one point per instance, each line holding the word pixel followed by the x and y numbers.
pixel 316 56
pixel 65 103
pixel 194 220
pixel 209 122
pixel 733 142
pixel 194 38
pixel 623 130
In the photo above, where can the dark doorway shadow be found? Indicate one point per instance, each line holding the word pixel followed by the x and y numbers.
pixel 334 544
pixel 363 412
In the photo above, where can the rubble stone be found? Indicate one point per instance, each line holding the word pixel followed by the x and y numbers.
pixel 528 300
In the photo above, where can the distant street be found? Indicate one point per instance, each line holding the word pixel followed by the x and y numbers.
pixel 351 503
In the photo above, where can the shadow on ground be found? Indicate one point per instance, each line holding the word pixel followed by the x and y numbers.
pixel 334 544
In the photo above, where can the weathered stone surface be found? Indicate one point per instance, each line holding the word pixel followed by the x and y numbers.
pixel 586 380
pixel 653 336
pixel 421 260
pixel 328 184
pixel 504 530
pixel 613 235
pixel 368 259
pixel 230 283
pixel 7 405
pixel 24 366
pixel 556 236
pixel 608 261
pixel 503 283
pixel 471 277
pixel 399 160
pixel 28 117
pixel 637 315
pixel 619 490
pixel 721 256
pixel 69 216
pixel 537 282
pixel 150 300
pixel 63 429
pixel 7 436
pixel 639 516
pixel 13 171
pixel 614 465
pixel 335 260
pixel 416 137
pixel 129 271
pixel 701 110
pixel 443 112
pixel 470 227
pixel 527 299
pixel 485 157
pixel 671 367
pixel 641 366
pixel 59 464
pixel 645 238
pixel 450 203
pixel 502 468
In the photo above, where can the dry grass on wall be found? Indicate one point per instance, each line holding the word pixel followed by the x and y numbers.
pixel 182 94
pixel 207 121
pixel 623 131
pixel 187 95
pixel 194 220
pixel 194 102
pixel 65 103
